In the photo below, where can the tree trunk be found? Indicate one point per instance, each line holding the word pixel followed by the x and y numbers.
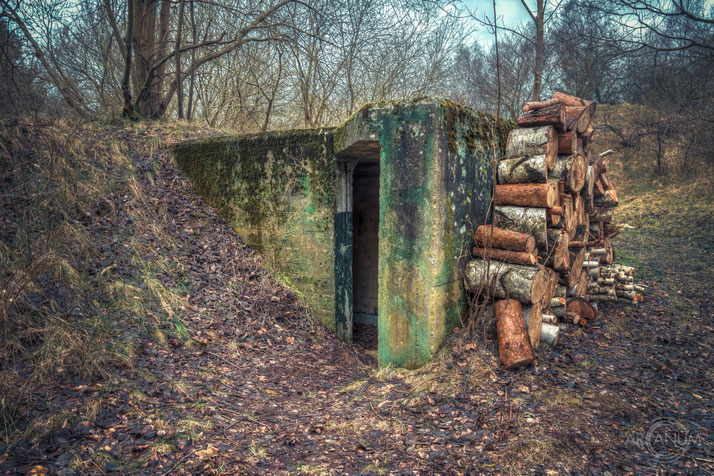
pixel 516 257
pixel 144 48
pixel 505 280
pixel 527 169
pixel 490 236
pixel 128 109
pixel 539 195
pixel 567 143
pixel 548 116
pixel 540 49
pixel 533 141
pixel 571 169
pixel 531 221
pixel 514 349
pixel 177 67
pixel 192 81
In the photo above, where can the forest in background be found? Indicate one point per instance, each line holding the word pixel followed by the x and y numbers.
pixel 249 66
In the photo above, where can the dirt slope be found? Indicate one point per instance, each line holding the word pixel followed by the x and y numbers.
pixel 229 376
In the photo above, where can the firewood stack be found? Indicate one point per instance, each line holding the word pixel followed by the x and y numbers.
pixel 549 248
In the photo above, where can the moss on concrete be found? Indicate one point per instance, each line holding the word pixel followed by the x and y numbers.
pixel 277 190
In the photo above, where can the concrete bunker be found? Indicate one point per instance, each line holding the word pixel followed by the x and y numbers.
pixel 366 221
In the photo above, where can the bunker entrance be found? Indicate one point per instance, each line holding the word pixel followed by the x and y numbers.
pixel 365 246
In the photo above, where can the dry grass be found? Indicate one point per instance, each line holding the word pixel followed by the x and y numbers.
pixel 77 284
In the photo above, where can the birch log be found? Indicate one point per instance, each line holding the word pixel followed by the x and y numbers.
pixel 505 280
pixel 526 169
pixel 514 349
pixel 548 333
pixel 533 141
pixel 532 221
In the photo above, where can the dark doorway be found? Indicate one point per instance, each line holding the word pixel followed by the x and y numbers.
pixel 365 258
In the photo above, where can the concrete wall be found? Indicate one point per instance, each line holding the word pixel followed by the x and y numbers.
pixel 290 195
pixel 278 191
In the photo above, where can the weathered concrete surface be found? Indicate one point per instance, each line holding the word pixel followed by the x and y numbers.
pixel 435 182
pixel 277 190
pixel 289 195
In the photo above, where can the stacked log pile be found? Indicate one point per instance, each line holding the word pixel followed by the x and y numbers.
pixel 549 249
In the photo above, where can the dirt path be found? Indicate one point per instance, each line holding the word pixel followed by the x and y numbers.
pixel 267 392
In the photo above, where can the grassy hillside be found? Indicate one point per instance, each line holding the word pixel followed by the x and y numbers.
pixel 671 214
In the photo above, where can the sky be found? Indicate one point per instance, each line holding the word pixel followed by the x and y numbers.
pixel 510 12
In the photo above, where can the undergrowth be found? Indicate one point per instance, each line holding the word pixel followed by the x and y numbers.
pixel 80 278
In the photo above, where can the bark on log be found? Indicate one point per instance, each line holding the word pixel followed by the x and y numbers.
pixel 569 100
pixel 490 236
pixel 567 143
pixel 602 297
pixel 508 256
pixel 557 302
pixel 514 349
pixel 505 280
pixel 532 221
pixel 533 141
pixel 571 169
pixel 548 116
pixel 535 105
pixel 543 195
pixel 549 334
pixel 631 296
pixel 526 169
